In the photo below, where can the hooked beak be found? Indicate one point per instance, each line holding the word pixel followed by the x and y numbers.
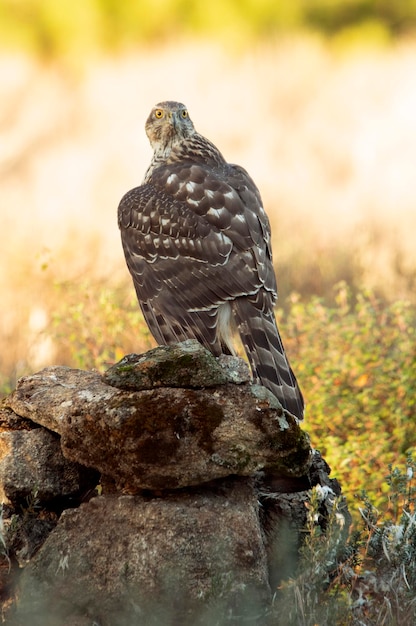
pixel 172 119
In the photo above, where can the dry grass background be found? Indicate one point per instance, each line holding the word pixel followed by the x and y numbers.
pixel 329 137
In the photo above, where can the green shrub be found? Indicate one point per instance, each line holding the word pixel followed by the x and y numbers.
pixel 95 326
pixel 368 580
pixel 356 363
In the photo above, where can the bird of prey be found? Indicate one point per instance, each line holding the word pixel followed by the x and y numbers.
pixel 196 240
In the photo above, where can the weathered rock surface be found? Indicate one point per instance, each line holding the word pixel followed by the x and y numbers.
pixel 285 506
pixel 166 437
pixel 204 479
pixel 165 557
pixel 186 364
pixel 32 466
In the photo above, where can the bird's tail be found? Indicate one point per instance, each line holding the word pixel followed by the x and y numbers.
pixel 264 348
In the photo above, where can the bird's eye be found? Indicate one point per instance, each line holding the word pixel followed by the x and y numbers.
pixel 184 113
pixel 159 113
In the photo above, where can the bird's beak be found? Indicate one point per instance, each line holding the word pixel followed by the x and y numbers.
pixel 172 119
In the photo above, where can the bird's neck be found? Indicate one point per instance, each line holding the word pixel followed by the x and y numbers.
pixel 195 148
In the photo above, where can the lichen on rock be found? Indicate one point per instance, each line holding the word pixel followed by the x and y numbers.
pixel 148 480
pixel 186 364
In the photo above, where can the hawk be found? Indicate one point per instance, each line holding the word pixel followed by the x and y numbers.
pixel 196 240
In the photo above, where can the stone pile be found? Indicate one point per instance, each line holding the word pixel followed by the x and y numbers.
pixel 152 494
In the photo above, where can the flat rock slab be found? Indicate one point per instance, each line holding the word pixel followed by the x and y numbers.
pixel 189 558
pixel 163 438
pixel 186 364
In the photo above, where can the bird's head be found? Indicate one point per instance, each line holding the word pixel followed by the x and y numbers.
pixel 168 124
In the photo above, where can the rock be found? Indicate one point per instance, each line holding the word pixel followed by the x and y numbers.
pixel 45 397
pixel 186 364
pixel 163 438
pixel 236 369
pixel 10 421
pixel 190 558
pixel 205 483
pixel 174 438
pixel 33 468
pixel 26 532
pixel 284 510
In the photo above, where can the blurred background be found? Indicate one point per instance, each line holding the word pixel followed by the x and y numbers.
pixel 316 98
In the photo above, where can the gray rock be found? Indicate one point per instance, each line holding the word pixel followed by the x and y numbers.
pixel 10 421
pixel 164 438
pixel 182 433
pixel 46 397
pixel 186 364
pixel 33 468
pixel 189 558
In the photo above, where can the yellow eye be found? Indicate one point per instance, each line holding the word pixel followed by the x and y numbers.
pixel 184 113
pixel 159 113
